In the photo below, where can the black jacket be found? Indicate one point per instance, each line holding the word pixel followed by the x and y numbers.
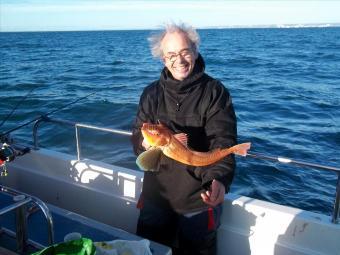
pixel 201 107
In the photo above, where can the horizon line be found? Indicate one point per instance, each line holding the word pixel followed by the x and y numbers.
pixel 291 25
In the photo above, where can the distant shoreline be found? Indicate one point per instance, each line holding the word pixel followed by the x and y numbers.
pixel 314 25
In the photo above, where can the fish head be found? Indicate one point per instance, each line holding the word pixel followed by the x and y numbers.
pixel 156 134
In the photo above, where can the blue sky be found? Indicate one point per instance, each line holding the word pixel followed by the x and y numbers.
pixel 47 15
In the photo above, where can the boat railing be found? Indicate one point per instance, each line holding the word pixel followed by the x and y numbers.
pixel 21 201
pixel 77 126
pixel 282 160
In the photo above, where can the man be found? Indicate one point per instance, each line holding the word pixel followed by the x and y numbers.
pixel 180 204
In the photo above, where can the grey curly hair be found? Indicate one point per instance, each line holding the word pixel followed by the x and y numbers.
pixel 156 39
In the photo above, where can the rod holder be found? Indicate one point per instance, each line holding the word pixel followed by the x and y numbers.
pixel 21 224
pixel 335 216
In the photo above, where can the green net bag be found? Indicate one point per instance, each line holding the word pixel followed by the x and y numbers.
pixel 82 246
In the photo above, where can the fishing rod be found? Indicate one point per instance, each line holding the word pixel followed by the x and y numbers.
pixel 10 152
pixel 292 161
pixel 45 115
pixel 16 107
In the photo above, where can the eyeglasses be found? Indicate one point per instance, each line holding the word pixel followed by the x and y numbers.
pixel 185 53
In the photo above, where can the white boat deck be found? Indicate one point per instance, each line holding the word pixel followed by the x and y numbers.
pixel 109 194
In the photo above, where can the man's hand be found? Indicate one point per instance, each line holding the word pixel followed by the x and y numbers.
pixel 215 195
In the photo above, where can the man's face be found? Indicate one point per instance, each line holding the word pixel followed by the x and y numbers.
pixel 178 56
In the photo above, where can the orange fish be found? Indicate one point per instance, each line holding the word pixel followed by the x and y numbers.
pixel 174 146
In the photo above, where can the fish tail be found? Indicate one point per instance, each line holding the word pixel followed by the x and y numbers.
pixel 241 149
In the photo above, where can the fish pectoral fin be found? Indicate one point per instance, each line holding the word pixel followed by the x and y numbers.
pixel 148 160
pixel 182 138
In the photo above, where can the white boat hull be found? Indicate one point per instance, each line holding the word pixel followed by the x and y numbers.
pixel 109 194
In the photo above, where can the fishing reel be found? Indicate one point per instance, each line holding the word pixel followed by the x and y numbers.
pixel 7 154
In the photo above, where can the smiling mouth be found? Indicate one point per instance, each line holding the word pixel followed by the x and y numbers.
pixel 182 68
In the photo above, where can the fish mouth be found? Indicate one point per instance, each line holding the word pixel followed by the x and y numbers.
pixel 150 129
pixel 153 135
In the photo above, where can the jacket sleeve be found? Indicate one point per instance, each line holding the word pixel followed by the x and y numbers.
pixel 221 131
pixel 145 113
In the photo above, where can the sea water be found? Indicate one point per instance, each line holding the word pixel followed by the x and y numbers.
pixel 285 85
